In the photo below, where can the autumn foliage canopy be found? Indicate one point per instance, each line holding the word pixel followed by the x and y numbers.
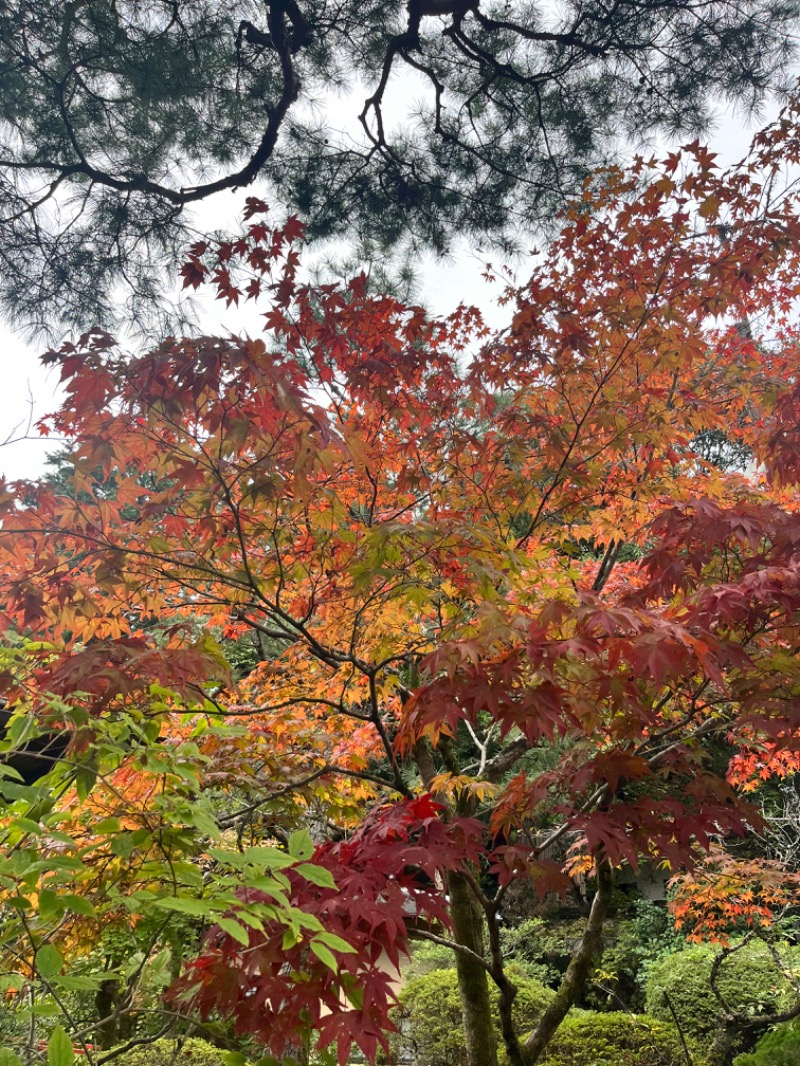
pixel 507 590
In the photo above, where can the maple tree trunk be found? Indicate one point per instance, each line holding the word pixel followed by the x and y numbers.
pixel 473 983
pixel 578 969
pixel 506 988
pixel 723 1047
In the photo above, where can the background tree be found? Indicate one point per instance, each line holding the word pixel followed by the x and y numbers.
pixel 117 117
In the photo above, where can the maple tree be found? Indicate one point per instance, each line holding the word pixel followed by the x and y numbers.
pixel 455 553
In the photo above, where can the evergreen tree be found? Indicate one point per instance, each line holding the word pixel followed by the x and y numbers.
pixel 118 116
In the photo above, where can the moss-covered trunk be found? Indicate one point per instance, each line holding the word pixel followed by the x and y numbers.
pixel 467 917
pixel 578 970
pixel 727 1043
pixel 473 983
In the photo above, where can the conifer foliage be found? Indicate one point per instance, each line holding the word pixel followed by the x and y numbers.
pixel 118 117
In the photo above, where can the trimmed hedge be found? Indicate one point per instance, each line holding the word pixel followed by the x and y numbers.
pixel 616 1039
pixel 749 980
pixel 429 1017
pixel 779 1047
pixel 193 1052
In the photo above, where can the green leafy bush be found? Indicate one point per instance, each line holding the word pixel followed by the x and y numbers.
pixel 429 1017
pixel 430 1034
pixel 615 1039
pixel 634 942
pixel 193 1052
pixel 749 980
pixel 529 945
pixel 634 945
pixel 779 1047
pixel 427 957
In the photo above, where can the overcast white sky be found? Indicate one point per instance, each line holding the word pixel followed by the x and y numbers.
pixel 27 391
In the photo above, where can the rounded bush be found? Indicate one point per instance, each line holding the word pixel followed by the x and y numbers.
pixel 615 1039
pixel 779 1047
pixel 427 957
pixel 749 980
pixel 193 1052
pixel 429 1017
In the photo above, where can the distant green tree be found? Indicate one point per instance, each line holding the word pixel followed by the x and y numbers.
pixel 117 117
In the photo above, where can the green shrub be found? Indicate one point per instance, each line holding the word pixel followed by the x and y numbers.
pixel 427 957
pixel 634 945
pixel 530 946
pixel 193 1052
pixel 429 1017
pixel 429 1020
pixel 749 980
pixel 634 942
pixel 779 1047
pixel 615 1039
